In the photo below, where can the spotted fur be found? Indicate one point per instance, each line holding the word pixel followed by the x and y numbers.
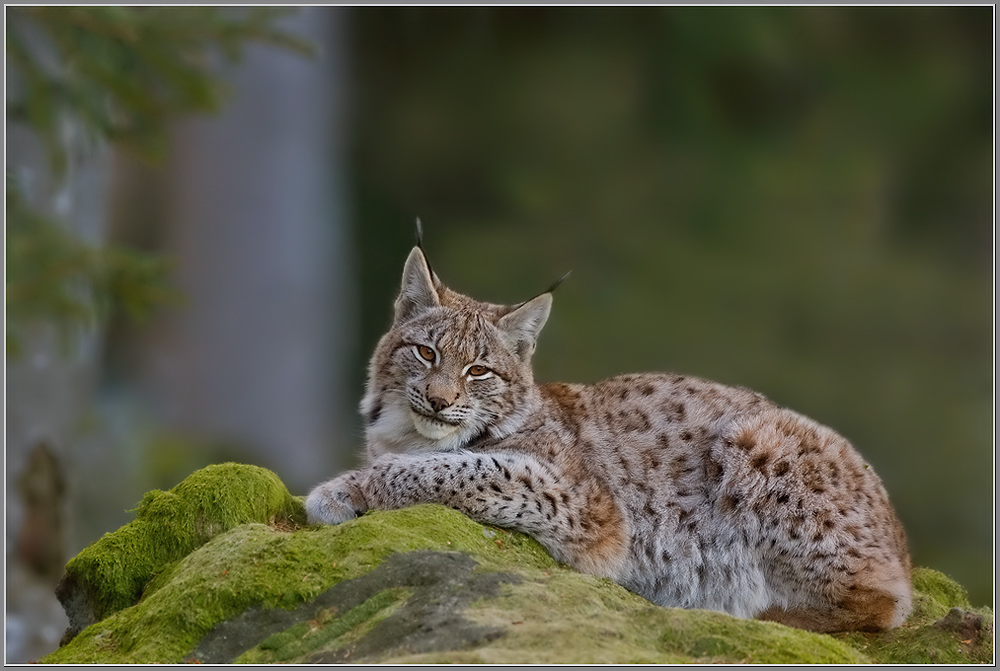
pixel 688 492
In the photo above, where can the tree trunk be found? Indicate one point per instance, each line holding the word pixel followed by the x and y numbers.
pixel 257 221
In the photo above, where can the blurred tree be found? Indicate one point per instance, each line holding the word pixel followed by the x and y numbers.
pixel 78 79
pixel 253 208
pixel 85 75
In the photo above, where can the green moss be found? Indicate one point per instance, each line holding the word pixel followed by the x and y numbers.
pixel 376 611
pixel 567 617
pixel 934 594
pixel 116 570
pixel 432 526
pixel 324 632
pixel 712 637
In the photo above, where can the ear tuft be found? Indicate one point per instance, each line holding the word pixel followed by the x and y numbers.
pixel 523 324
pixel 417 293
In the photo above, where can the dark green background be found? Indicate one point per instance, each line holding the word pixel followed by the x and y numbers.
pixel 798 200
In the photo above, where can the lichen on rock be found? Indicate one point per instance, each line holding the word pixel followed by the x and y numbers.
pixel 225 570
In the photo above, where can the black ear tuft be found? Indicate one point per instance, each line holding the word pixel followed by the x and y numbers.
pixel 549 290
pixel 419 231
pixel 557 283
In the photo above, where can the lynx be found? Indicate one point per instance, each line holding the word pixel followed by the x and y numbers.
pixel 690 493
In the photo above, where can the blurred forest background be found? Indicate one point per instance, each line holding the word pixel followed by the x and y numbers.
pixel 797 200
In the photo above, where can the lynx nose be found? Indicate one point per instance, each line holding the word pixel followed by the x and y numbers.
pixel 438 403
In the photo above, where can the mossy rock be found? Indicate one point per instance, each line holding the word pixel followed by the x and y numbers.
pixel 114 572
pixel 230 576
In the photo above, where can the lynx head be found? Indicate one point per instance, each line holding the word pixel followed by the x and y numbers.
pixel 451 370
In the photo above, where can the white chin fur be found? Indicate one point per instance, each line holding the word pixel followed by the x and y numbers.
pixel 428 428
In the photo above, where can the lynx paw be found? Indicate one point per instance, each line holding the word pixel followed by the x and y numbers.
pixel 336 501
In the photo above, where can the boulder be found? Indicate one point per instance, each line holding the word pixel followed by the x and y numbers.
pixel 222 568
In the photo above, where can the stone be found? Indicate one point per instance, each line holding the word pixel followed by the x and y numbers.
pixel 225 570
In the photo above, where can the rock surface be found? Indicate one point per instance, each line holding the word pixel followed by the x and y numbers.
pixel 222 569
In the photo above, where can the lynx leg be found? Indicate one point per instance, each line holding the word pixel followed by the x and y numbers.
pixel 863 608
pixel 580 525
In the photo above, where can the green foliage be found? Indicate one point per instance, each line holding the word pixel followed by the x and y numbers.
pixel 54 277
pixel 119 74
pixel 124 71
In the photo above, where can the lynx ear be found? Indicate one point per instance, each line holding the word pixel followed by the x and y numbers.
pixel 524 323
pixel 417 293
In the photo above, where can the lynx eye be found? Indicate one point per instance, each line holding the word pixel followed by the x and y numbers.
pixel 425 353
pixel 477 370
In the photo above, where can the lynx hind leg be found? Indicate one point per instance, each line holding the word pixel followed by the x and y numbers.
pixel 861 608
pixel 831 546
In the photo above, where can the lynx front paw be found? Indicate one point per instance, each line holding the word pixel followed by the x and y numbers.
pixel 336 501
